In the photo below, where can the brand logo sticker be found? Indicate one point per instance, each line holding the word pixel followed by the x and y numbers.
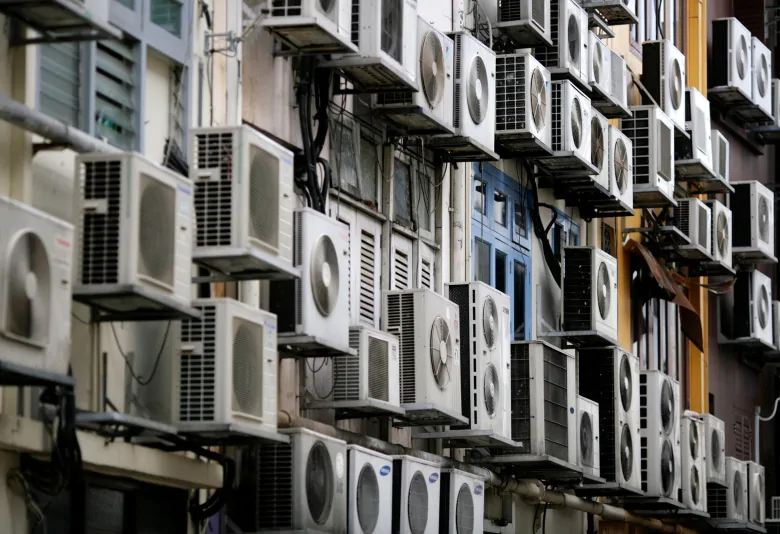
pixel 385 470
pixel 339 465
pixel 478 489
pixel 433 478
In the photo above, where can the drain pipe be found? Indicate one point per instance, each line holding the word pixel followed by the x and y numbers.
pixel 531 490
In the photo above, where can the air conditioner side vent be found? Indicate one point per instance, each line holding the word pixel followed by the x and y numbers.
pixel 274 487
pixel 400 322
pixel 577 290
pixel 197 370
pixel 99 237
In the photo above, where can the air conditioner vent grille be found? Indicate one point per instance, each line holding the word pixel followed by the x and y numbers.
pixel 213 197
pixel 197 370
pixel 510 93
pixel 99 239
pixel 577 290
pixel 274 487
pixel 378 366
pixel 637 129
pixel 400 322
pixel 367 279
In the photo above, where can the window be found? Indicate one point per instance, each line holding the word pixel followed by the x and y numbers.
pixel 479 197
pixel 743 437
pixel 416 193
pixel 481 260
pixel 178 119
pixel 167 14
pixel 343 160
pixel 355 159
pixel 402 192
pixel 115 93
pixel 565 232
pixel 608 242
pixel 163 25
pixel 657 20
pixel 520 221
pixel 60 80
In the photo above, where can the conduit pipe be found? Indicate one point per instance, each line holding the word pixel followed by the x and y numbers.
pixel 532 490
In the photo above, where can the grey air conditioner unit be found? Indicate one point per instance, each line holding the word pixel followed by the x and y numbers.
pixel 752 314
pixel 312 26
pixel 693 154
pixel 720 156
pixel 588 435
pixel 599 68
pixel 720 242
pixel 659 401
pixel 756 493
pixel 613 12
pixel 569 33
pixel 715 449
pixel 731 74
pixel 599 148
pixel 761 67
pixel 730 501
pixel 663 74
pixel 63 20
pixel 694 219
pixel 693 450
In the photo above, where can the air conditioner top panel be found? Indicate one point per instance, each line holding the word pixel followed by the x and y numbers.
pixel 233 303
pixel 546 345
pixel 473 283
pixel 306 431
pixel 128 158
pixel 370 452
pixel 35 212
pixel 459 472
pixel 244 130
pixel 416 460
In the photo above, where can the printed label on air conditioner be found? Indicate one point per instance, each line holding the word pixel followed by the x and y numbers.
pixel 63 252
pixel 457 355
pixel 339 465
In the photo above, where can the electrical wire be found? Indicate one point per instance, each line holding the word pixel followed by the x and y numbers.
pixel 138 379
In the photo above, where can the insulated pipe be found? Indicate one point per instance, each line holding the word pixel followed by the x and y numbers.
pixel 532 490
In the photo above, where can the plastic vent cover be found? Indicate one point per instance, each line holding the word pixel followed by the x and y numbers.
pixel 417 507
pixel 319 482
pixel 28 290
pixel 464 511
pixel 432 69
pixel 490 322
pixel 156 230
pixel 367 496
pixel 441 352
pixel 538 98
pixel 325 275
pixel 247 389
pixel 477 95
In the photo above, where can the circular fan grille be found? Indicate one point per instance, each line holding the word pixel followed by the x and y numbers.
pixel 477 95
pixel 490 322
pixel 763 75
pixel 676 82
pixel 538 98
pixel 441 352
pixel 596 143
pixel 573 33
pixel 391 34
pixel 715 452
pixel 694 484
pixel 432 69
pixel 626 391
pixel 621 165
pixel 742 57
pixel 28 289
pixel 417 507
pixel 367 496
pixel 156 232
pixel 325 275
pixel 737 487
pixel 626 453
pixel 603 290
pixel 464 511
pixel 667 407
pixel 247 390
pixel 722 234
pixel 693 440
pixel 667 468
pixel 327 5
pixel 319 482
pixel 597 61
pixel 763 307
pixel 491 389
pixel 763 219
pixel 586 439
pixel 576 122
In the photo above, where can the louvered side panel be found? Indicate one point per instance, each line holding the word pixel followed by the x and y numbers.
pixel 60 82
pixel 717 498
pixel 682 217
pixel 510 10
pixel 378 362
pixel 401 278
pixel 274 487
pixel 400 322
pixel 556 405
pixel 346 377
pixel 456 119
pixel 115 98
pixel 637 129
pixel 213 197
pixel 197 371
pixel 426 274
pixel 459 294
pixel 99 229
pixel 643 426
pixel 350 289
pixel 367 279
pixel 558 126
pixel 577 295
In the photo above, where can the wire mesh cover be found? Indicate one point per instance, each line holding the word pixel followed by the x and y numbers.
pixel 576 122
pixel 603 290
pixel 596 143
pixel 432 72
pixel 573 33
pixel 477 96
pixel 464 511
pixel 441 352
pixel 263 195
pixel 694 485
pixel 715 452
pixel 667 407
pixel 324 275
pixel 29 289
pixel 319 482
pixel 491 390
pixel 392 30
pixel 742 57
pixel 676 84
pixel 626 452
pixel 667 468
pixel 722 230
pixel 737 487
pixel 693 440
pixel 538 98
pixel 626 379
pixel 597 62
pixel 763 218
pixel 763 75
pixel 367 496
pixel 586 439
pixel 490 321
pixel 417 505
pixel 247 371
pixel 156 227
pixel 621 165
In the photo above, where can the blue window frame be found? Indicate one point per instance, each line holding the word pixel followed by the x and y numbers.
pixel 564 232
pixel 501 241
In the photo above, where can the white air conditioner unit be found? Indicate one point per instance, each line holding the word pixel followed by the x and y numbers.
pixel 569 33
pixel 524 22
pixel 730 501
pixel 621 167
pixel 720 156
pixel 485 379
pixel 756 493
pixel 752 312
pixel 659 398
pixel 523 99
pixel 571 120
pixel 610 377
pixel 134 231
pixel 426 324
pixel 693 155
pixel 599 69
pixel 36 260
pixel 370 493
pixel 386 35
pixel 317 304
pixel 314 26
pixel 614 12
pixel 776 322
pixel 715 449
pixel 599 148
pixel 693 484
pixel 776 101
pixel 463 502
pixel 429 110
pixel 67 20
pixel 664 76
pixel 694 219
pixel 652 136
pixel 417 492
pixel 589 292
pixel 588 435
pixel 244 198
pixel 753 207
pixel 731 45
pixel 620 78
pixel 761 67
pixel 720 242
pixel 309 474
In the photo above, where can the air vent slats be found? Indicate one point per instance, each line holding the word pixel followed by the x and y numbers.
pixel 400 322
pixel 99 238
pixel 197 370
pixel 213 195
pixel 578 290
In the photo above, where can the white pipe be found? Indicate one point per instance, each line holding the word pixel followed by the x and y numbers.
pixel 458 222
pixel 757 423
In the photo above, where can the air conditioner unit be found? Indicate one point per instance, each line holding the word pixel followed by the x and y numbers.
pixel 588 435
pixel 715 449
pixel 730 501
pixel 314 26
pixel 523 103
pixel 134 230
pixel 35 285
pixel 731 45
pixel 753 206
pixel 68 20
pixel 693 155
pixel 589 290
pixel 756 493
pixel 599 70
pixel 752 313
pixel 720 242
pixel 599 148
pixel 694 219
pixel 462 504
pixel 720 156
pixel 615 103
pixel 429 110
pixel 620 167
pixel 370 493
pixel 524 22
pixel 485 386
pixel 664 76
pixel 610 377
pixel 761 67
pixel 571 124
pixel 693 485
pixel 416 496
pixel 652 137
pixel 659 400
pixel 317 304
pixel 244 199
pixel 569 34
pixel 427 326
pixel 308 475
pixel 614 12
pixel 386 35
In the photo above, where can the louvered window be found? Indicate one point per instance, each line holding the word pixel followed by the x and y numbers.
pixel 401 272
pixel 426 274
pixel 115 96
pixel 367 278
pixel 60 82
pixel 743 438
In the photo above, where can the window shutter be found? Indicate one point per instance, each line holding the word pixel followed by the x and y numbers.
pixel 115 93
pixel 368 278
pixel 60 82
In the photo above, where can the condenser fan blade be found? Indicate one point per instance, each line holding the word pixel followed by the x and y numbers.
pixel 325 275
pixel 441 352
pixel 29 290
pixel 576 122
pixel 586 438
pixel 626 378
pixel 478 97
pixel 596 143
pixel 490 322
pixel 723 234
pixel 621 165
pixel 667 407
pixel 604 291
pixel 432 69
pixel 742 57
pixel 694 484
pixel 763 219
pixel 319 482
pixel 763 307
pixel 626 453
pixel 667 468
pixel 597 59
pixel 693 440
pixel 491 389
pixel 676 83
pixel 538 98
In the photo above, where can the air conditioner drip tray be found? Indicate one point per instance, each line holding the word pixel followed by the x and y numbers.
pixel 468 439
pixel 131 302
